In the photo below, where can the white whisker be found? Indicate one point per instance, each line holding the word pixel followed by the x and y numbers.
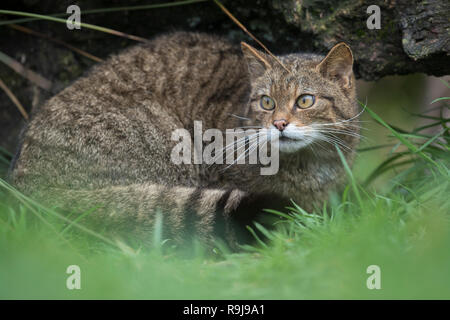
pixel 343 132
pixel 248 151
pixel 333 140
pixel 239 117
pixel 231 145
pixel 247 127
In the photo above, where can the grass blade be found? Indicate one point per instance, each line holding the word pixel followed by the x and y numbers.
pixel 350 174
pixel 405 141
pixel 440 99
pixel 256 236
pixel 85 25
pixel 106 10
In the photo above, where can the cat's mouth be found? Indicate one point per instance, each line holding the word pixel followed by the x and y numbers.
pixel 292 139
pixel 284 138
pixel 288 136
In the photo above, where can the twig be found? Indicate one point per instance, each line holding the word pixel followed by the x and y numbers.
pixel 26 73
pixel 228 13
pixel 14 99
pixel 35 33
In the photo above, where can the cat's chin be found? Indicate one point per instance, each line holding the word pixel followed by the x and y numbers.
pixel 293 138
pixel 287 145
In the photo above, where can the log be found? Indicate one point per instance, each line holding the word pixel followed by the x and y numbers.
pixel 413 37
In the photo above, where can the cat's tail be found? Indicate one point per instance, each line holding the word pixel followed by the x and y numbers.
pixel 132 209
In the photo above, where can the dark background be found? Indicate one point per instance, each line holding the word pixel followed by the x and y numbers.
pixel 413 38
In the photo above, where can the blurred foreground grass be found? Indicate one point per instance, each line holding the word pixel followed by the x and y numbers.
pixel 403 226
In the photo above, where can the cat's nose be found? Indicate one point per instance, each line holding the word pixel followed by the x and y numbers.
pixel 280 124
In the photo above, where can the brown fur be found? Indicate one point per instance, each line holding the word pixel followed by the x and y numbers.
pixel 106 139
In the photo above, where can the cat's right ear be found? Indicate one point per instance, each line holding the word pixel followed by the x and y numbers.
pixel 257 61
pixel 338 65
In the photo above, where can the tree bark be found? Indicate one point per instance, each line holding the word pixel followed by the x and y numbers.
pixel 414 37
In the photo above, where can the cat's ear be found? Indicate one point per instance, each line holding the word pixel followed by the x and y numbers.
pixel 338 65
pixel 257 61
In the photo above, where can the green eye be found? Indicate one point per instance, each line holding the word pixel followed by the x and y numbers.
pixel 267 103
pixel 305 101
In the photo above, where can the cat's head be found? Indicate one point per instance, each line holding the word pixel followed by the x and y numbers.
pixel 304 99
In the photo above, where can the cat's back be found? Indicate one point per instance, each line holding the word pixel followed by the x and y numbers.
pixel 194 72
pixel 185 73
pixel 120 116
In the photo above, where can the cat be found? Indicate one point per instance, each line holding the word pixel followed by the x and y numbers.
pixel 105 141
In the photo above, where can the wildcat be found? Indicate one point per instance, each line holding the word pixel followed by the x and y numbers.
pixel 105 141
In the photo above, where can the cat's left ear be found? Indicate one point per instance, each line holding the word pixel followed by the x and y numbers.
pixel 338 65
pixel 257 61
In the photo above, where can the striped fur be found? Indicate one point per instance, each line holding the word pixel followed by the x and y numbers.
pixel 105 140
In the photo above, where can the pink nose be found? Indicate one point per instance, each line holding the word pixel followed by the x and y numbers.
pixel 280 124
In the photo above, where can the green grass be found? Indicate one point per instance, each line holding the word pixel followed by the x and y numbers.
pixel 403 227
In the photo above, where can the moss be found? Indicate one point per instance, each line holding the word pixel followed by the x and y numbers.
pixel 69 66
pixel 360 33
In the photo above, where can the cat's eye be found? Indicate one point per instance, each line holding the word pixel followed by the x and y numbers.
pixel 305 101
pixel 267 103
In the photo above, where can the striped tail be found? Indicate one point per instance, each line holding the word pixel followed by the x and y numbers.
pixel 187 212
